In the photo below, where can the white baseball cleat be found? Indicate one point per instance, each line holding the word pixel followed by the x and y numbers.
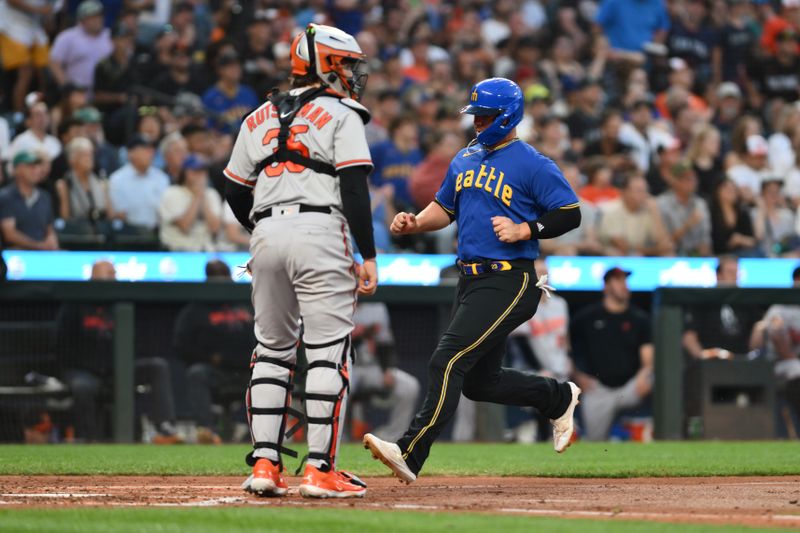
pixel 564 426
pixel 389 454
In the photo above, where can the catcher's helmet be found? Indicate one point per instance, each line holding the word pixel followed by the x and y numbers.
pixel 496 96
pixel 327 51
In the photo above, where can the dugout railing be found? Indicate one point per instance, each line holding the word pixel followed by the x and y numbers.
pixel 434 302
pixel 669 308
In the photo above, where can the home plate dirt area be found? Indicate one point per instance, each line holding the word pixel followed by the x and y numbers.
pixel 758 501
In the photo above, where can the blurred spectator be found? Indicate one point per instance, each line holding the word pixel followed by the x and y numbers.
pixel 26 211
pixel 612 352
pixel 73 98
pixel 385 110
pixel 679 92
pixel 36 138
pixel 190 210
pixel 256 48
pixel 584 120
pixel 82 196
pixel 427 177
pixel 728 109
pixel 115 78
pixel 773 223
pixel 736 39
pixel 731 225
pixel 599 191
pixel 630 25
pixel 136 188
pixel 632 225
pixel 788 19
pixel 720 331
pixel 395 159
pixel 228 100
pixel 753 169
pixel 376 377
pixel 180 77
pixel 24 44
pixel 77 50
pixel 778 76
pixel 85 334
pixel 704 156
pixel 778 334
pixel 693 39
pixel 685 214
pixel 583 239
pixel 744 127
pixel 174 150
pixel 781 155
pixel 106 155
pixel 553 138
pixel 215 341
pixel 642 134
pixel 609 146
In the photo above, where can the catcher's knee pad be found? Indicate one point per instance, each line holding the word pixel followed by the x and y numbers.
pixel 327 385
pixel 268 399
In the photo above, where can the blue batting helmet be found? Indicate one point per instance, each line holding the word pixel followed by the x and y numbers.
pixel 496 96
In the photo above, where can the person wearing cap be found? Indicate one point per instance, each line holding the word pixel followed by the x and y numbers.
pixel 190 210
pixel 26 211
pixel 788 19
pixel 727 110
pixel 228 100
pixel 77 50
pixel 778 76
pixel 753 169
pixel 82 196
pixel 136 188
pixel 680 82
pixel 180 76
pixel 685 215
pixel 612 352
pixel 115 76
pixel 720 331
pixel 632 225
pixel 256 49
pixel 24 43
pixel 106 155
pixel 584 120
pixel 773 223
pixel 36 137
pixel 694 39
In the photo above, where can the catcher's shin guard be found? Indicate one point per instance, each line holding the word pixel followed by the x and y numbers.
pixel 327 385
pixel 268 399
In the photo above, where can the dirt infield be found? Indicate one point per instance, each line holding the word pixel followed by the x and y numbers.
pixel 745 500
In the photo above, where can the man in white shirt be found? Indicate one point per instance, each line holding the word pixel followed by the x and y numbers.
pixel 35 138
pixel 136 188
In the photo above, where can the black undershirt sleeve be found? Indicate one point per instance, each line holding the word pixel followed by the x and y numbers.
pixel 240 198
pixel 555 223
pixel 356 207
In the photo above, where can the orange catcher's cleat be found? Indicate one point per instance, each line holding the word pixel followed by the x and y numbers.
pixel 331 484
pixel 266 480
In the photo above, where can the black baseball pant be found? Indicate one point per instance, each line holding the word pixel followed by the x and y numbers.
pixel 469 356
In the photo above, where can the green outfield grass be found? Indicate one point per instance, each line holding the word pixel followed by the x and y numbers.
pixel 294 520
pixel 581 460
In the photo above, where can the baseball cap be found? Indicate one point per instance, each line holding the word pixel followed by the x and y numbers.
pixel 194 162
pixel 26 157
pixel 89 8
pixel 677 63
pixel 227 58
pixel 88 115
pixel 138 140
pixel 728 89
pixel 537 91
pixel 769 180
pixel 615 272
pixel 756 145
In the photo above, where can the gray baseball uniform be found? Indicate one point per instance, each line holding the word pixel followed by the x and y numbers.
pixel 302 266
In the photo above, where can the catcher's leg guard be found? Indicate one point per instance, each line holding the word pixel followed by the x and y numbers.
pixel 268 399
pixel 327 385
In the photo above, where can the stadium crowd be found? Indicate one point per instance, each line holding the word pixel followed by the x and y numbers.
pixel 677 122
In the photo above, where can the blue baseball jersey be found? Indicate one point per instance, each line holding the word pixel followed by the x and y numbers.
pixel 513 181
